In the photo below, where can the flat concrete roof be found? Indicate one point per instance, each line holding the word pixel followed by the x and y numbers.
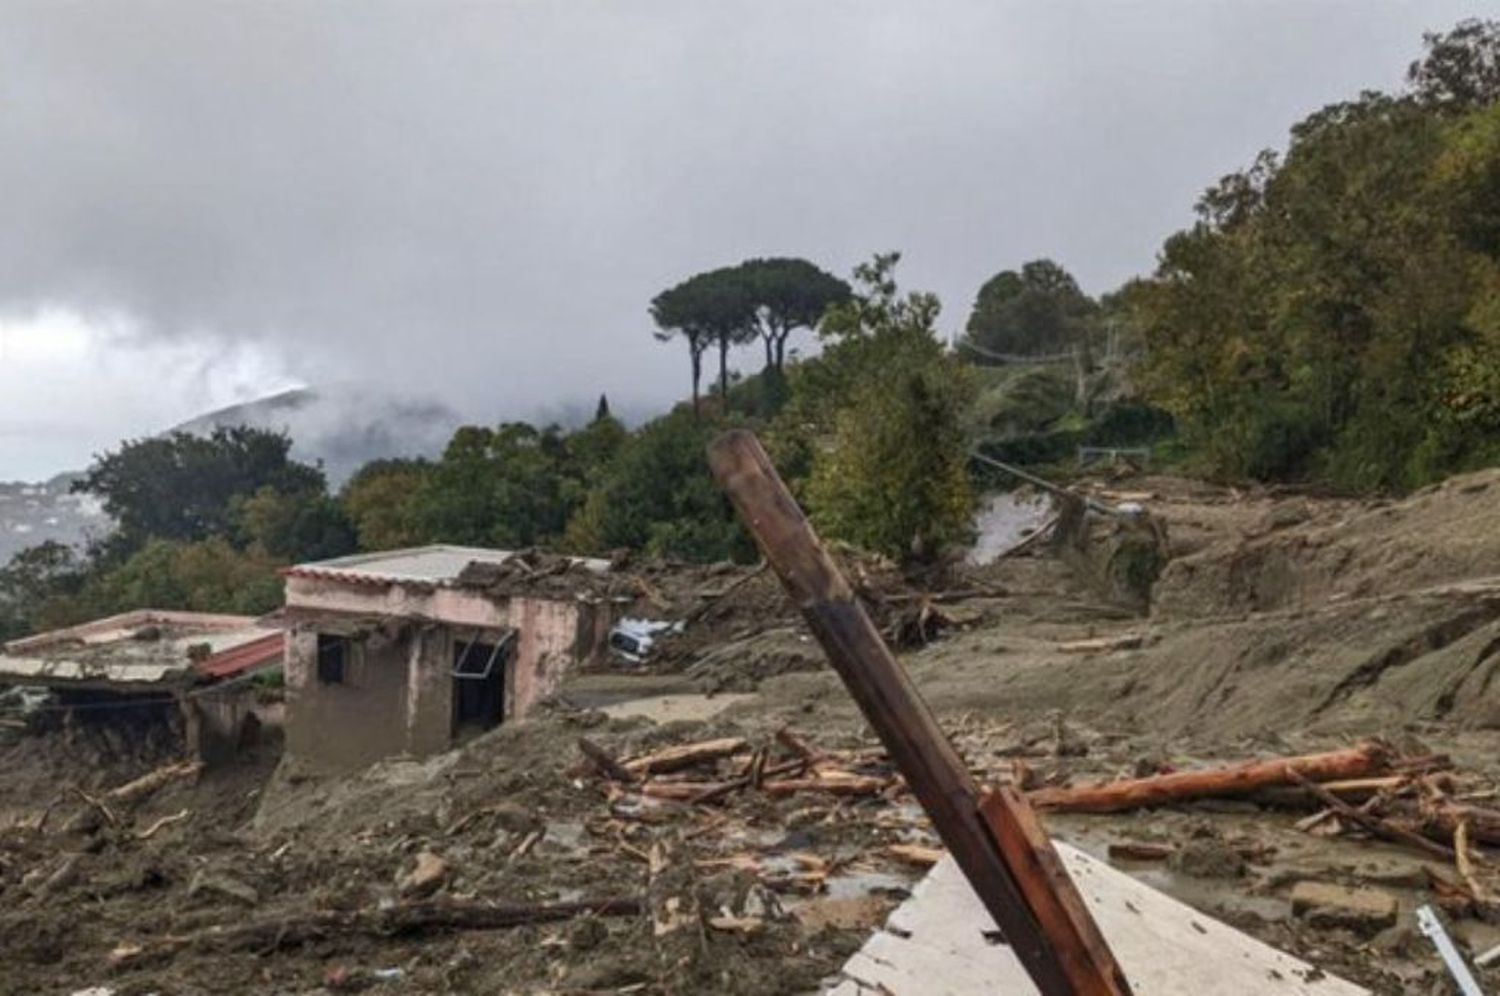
pixel 439 564
pixel 144 647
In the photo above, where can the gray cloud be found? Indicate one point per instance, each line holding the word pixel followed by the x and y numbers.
pixel 477 200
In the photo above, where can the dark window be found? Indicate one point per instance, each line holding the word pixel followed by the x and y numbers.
pixel 478 684
pixel 333 656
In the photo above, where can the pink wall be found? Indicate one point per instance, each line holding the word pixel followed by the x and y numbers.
pixel 546 638
pixel 448 605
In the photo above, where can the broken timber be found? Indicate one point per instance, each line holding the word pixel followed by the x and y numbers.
pixel 1369 758
pixel 995 840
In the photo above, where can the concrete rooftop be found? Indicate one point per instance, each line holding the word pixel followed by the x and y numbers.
pixel 144 647
pixel 439 564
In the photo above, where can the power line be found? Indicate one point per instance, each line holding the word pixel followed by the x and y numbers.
pixel 1014 358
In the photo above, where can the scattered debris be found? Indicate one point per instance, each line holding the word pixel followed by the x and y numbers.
pixel 1287 625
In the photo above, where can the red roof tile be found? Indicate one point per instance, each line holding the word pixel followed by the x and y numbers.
pixel 261 652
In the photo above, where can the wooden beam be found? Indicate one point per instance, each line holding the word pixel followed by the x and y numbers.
pixel 1061 911
pixel 912 737
pixel 1367 759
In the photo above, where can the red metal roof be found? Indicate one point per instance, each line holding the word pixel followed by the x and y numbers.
pixel 261 652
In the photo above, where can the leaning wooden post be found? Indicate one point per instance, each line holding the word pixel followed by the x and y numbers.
pixel 995 837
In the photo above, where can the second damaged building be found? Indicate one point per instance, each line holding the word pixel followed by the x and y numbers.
pixel 150 677
pixel 408 651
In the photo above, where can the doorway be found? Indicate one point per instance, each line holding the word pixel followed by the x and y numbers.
pixel 479 683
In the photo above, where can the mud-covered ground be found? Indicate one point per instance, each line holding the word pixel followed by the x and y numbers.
pixel 1283 623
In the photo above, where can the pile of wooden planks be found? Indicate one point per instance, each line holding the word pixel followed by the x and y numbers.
pixel 710 771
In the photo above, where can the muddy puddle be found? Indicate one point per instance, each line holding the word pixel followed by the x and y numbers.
pixel 1004 520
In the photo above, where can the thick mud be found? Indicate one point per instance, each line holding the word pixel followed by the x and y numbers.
pixel 1283 624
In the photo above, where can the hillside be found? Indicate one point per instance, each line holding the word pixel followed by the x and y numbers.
pixel 341 426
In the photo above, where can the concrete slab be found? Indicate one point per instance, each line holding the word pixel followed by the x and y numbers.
pixel 934 945
pixel 439 564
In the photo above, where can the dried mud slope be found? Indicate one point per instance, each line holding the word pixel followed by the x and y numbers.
pixel 1303 553
pixel 1352 669
pixel 1306 615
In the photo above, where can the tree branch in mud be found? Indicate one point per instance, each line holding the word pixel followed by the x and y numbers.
pixel 606 763
pixel 153 781
pixel 271 933
pixel 1379 827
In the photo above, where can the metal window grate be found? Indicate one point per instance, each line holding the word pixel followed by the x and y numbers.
pixel 464 671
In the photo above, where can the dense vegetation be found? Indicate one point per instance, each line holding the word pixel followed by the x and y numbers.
pixel 1332 316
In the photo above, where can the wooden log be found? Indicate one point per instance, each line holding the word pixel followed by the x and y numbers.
pixel 836 783
pixel 1136 793
pixel 152 782
pixel 944 597
pixel 1062 913
pixel 271 933
pixel 1035 536
pixel 165 821
pixel 1465 864
pixel 686 755
pixel 916 854
pixel 717 792
pixel 687 791
pixel 792 742
pixel 606 763
pixel 906 726
pixel 710 599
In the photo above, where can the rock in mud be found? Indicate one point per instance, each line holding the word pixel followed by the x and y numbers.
pixel 424 878
pixel 587 934
pixel 1364 911
pixel 1207 855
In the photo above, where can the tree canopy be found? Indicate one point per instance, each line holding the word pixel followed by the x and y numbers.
pixel 714 308
pixel 1038 310
pixel 184 487
pixel 731 305
pixel 1335 312
pixel 789 294
pixel 878 416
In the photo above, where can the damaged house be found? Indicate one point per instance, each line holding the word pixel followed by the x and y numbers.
pixel 176 680
pixel 408 651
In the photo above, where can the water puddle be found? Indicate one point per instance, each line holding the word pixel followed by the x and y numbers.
pixel 1004 520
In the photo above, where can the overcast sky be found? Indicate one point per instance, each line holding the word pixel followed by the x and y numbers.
pixel 204 202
